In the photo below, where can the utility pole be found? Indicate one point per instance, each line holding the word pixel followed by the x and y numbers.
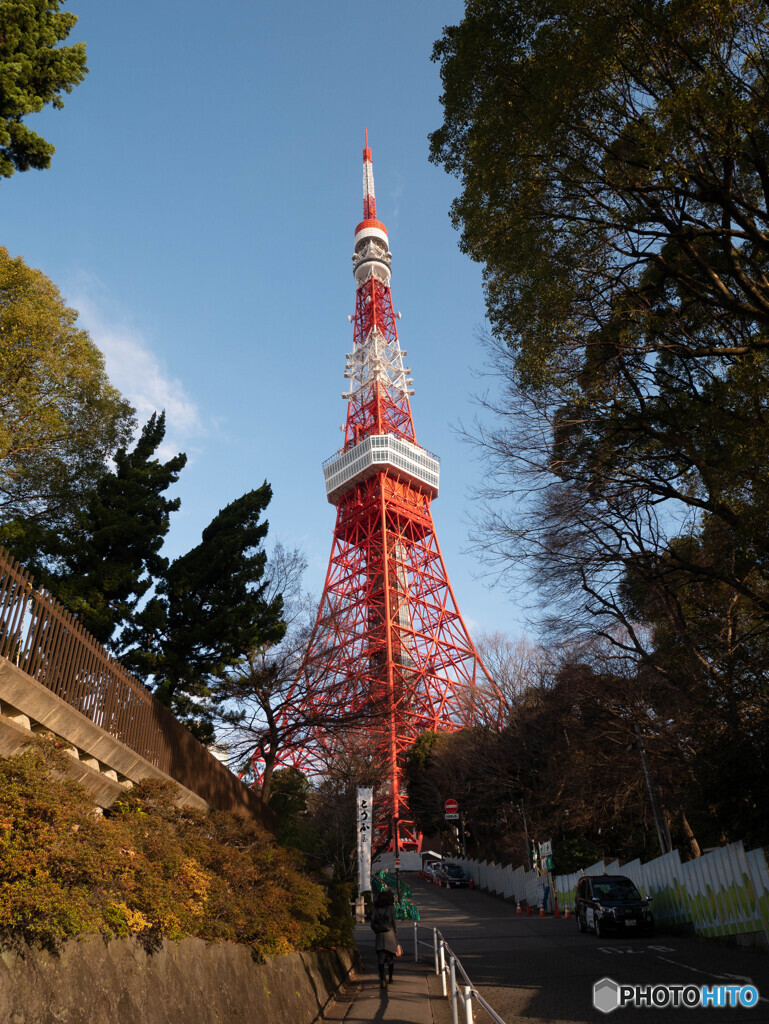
pixel 661 832
pixel 526 834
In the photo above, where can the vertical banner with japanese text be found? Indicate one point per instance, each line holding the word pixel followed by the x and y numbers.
pixel 365 819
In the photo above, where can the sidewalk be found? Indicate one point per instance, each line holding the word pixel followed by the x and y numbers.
pixel 405 1001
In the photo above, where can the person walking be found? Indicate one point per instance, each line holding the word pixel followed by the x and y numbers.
pixel 386 941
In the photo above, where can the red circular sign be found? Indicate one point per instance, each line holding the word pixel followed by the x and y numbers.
pixel 451 807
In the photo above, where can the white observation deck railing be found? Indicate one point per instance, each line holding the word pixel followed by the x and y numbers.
pixel 376 452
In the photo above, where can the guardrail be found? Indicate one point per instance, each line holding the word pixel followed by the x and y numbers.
pixel 46 642
pixel 448 967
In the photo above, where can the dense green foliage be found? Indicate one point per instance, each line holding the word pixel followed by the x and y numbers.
pixel 146 868
pixel 110 555
pixel 60 418
pixel 34 71
pixel 210 609
pixel 614 160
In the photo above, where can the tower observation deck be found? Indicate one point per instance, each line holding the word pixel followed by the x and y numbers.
pixel 390 650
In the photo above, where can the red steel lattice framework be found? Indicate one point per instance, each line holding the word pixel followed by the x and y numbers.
pixel 389 638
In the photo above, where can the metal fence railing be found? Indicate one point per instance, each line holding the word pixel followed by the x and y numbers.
pixel 45 641
pixel 461 994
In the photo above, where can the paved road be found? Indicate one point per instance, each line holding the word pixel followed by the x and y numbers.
pixel 535 970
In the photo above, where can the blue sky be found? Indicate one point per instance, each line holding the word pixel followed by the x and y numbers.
pixel 199 212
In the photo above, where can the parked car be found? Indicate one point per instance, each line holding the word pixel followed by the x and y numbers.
pixel 611 903
pixel 430 869
pixel 453 877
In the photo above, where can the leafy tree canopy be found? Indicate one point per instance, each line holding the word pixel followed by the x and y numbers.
pixel 60 418
pixel 109 559
pixel 34 71
pixel 613 159
pixel 567 766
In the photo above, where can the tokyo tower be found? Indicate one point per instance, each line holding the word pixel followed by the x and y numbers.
pixel 389 638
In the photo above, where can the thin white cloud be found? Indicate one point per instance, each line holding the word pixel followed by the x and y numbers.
pixel 137 373
pixel 395 195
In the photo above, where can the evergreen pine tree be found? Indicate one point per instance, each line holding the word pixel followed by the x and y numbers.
pixel 210 609
pixel 102 569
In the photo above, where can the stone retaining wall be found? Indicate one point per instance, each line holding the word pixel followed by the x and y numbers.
pixel 94 982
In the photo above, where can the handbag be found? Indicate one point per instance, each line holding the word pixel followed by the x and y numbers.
pixel 399 950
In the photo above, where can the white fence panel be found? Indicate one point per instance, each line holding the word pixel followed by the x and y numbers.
pixel 724 892
pixel 599 868
pixel 476 872
pixel 567 888
pixel 634 870
pixel 721 896
pixel 500 879
pixel 491 875
pixel 759 877
pixel 663 882
pixel 532 888
pixel 519 883
pixel 496 879
pixel 509 889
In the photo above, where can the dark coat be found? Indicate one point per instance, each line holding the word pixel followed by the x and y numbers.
pixel 388 941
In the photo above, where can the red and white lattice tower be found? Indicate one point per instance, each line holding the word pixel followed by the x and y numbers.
pixel 389 635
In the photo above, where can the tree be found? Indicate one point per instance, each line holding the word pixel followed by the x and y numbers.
pixel 715 645
pixel 263 701
pixel 613 159
pixel 331 810
pixel 614 163
pixel 252 701
pixel 60 419
pixel 566 766
pixel 211 608
pixel 106 562
pixel 514 665
pixel 34 71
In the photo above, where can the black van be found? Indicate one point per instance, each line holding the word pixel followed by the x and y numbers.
pixel 611 903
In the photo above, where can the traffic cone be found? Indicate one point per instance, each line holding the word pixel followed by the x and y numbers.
pixel 555 911
pixel 566 912
pixel 542 910
pixel 518 908
pixel 528 909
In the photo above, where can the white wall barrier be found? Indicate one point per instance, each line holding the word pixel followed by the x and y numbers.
pixel 724 892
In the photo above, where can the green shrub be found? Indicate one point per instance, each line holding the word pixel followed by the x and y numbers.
pixel 146 867
pixel 341 923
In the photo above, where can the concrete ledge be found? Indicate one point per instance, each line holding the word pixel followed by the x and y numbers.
pixel 24 700
pixel 15 738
